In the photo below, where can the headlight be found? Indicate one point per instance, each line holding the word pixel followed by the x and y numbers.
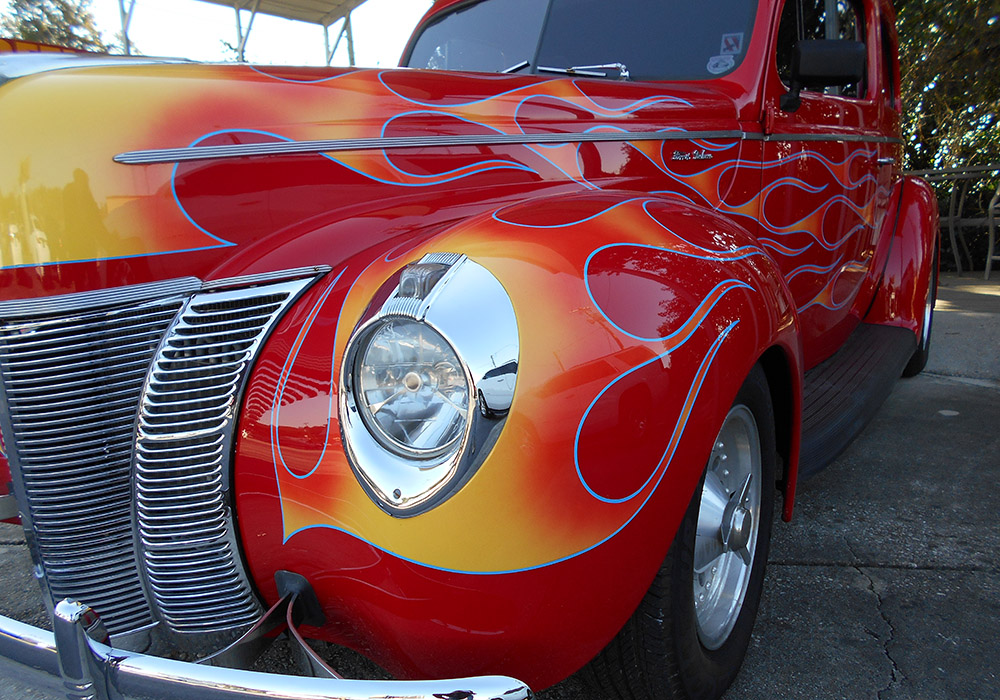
pixel 427 383
pixel 412 389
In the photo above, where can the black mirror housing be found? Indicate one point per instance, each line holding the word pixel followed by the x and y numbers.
pixel 823 63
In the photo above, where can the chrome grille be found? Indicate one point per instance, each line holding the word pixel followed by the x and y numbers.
pixel 186 423
pixel 72 383
pixel 77 370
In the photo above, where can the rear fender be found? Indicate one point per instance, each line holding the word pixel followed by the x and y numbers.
pixel 902 294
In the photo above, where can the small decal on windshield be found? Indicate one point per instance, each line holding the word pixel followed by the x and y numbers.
pixel 732 44
pixel 720 64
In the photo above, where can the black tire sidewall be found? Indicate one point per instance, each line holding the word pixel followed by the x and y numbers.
pixel 920 356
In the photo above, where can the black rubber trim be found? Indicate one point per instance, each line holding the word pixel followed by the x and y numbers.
pixel 843 393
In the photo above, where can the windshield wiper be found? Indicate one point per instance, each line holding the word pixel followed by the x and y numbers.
pixel 590 71
pixel 516 67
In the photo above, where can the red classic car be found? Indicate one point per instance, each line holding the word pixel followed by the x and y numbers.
pixel 495 363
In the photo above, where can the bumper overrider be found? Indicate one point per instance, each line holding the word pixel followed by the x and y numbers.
pixel 69 663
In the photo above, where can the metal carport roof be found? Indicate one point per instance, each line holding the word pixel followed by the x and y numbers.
pixel 322 12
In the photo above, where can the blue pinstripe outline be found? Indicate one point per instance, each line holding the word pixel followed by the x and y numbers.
pixel 706 362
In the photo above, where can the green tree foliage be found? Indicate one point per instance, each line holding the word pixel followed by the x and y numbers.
pixel 62 22
pixel 950 58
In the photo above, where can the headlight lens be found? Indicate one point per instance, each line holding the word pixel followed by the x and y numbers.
pixel 412 390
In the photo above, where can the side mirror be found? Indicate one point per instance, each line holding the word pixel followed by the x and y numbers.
pixel 823 63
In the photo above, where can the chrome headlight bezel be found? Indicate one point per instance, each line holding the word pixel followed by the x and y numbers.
pixel 465 306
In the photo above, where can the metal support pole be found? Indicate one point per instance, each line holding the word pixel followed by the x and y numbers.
pixel 243 36
pixel 340 35
pixel 126 17
pixel 952 199
pixel 992 213
pixel 350 40
pixel 832 20
pixel 239 34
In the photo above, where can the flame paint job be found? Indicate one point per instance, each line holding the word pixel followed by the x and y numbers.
pixel 646 281
pixel 593 377
pixel 317 488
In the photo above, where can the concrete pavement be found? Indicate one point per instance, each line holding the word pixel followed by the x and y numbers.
pixel 887 582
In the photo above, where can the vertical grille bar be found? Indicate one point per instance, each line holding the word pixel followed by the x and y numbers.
pixel 187 417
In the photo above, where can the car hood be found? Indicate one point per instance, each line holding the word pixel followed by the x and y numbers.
pixel 121 171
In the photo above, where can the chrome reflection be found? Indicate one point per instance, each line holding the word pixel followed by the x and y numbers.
pixel 75 661
pixel 427 383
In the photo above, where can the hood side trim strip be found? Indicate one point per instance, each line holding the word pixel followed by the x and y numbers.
pixel 176 155
pixel 193 153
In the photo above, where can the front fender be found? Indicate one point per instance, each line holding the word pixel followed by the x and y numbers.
pixel 639 318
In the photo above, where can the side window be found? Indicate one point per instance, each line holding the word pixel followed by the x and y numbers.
pixel 888 70
pixel 807 20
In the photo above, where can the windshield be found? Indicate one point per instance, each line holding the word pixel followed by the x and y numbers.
pixel 638 39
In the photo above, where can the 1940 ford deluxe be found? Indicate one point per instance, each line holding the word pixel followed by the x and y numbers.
pixel 492 364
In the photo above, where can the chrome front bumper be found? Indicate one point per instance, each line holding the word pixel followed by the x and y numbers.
pixel 67 663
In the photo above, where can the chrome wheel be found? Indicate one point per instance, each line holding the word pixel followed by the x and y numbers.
pixel 728 523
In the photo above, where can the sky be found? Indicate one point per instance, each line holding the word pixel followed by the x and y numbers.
pixel 196 30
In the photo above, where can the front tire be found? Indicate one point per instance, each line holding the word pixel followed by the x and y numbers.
pixel 689 634
pixel 920 356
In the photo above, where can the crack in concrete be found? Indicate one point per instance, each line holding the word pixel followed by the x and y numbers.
pixel 897 673
pixel 962 569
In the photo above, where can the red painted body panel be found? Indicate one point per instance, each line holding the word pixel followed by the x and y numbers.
pixel 5 476
pixel 647 276
pixel 593 372
pixel 903 293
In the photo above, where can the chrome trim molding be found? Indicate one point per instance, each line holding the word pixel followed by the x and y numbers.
pixel 176 155
pixel 834 138
pixel 183 515
pixel 66 303
pixel 69 663
pixel 193 153
pixel 265 277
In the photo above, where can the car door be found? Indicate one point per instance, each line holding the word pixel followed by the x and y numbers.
pixel 826 180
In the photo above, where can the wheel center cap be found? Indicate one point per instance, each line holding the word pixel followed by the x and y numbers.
pixel 740 525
